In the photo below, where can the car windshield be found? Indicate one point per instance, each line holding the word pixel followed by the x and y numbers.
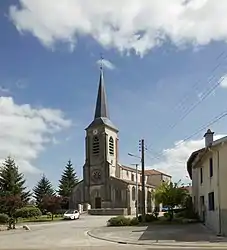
pixel 70 212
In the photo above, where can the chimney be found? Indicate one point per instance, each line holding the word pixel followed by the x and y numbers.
pixel 209 138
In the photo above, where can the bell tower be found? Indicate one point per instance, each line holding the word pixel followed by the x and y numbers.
pixel 101 152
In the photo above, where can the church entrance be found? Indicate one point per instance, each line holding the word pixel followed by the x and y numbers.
pixel 98 202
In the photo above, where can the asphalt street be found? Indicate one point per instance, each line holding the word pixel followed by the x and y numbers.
pixel 67 235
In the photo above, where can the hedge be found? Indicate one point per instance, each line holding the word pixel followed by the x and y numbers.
pixel 122 221
pixel 28 212
pixel 4 218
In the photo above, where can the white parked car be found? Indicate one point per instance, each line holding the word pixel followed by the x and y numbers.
pixel 72 214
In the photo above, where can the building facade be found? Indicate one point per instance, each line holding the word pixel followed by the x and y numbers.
pixel 208 171
pixel 106 183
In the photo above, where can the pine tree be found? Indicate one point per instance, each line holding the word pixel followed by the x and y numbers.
pixel 42 189
pixel 12 182
pixel 68 180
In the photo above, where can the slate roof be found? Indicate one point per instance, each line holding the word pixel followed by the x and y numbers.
pixel 147 171
pixel 101 110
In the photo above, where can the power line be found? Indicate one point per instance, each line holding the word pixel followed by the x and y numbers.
pixel 204 95
pixel 202 128
pixel 202 98
pixel 196 84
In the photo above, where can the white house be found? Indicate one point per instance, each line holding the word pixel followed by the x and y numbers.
pixel 207 168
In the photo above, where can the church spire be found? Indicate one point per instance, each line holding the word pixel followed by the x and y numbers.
pixel 101 109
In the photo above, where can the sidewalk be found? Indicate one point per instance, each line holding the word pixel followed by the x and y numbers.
pixel 191 235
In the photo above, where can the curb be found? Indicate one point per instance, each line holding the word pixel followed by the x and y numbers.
pixel 169 244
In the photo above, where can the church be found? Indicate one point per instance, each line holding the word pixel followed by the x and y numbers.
pixel 108 187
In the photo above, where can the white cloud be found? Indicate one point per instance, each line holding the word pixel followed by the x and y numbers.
pixel 175 158
pixel 223 82
pixel 128 24
pixel 106 64
pixel 24 131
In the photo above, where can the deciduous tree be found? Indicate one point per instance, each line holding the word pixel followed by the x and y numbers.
pixel 170 194
pixel 51 203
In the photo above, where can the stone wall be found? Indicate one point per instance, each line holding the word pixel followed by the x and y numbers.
pixel 108 211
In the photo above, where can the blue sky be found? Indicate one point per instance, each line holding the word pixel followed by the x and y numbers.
pixel 143 89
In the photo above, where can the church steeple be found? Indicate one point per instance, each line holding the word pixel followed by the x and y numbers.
pixel 101 116
pixel 101 109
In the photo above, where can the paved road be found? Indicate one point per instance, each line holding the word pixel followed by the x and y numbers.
pixel 69 235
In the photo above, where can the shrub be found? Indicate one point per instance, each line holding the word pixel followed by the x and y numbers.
pixel 49 214
pixel 134 221
pixel 150 218
pixel 119 221
pixel 4 218
pixel 166 215
pixel 28 212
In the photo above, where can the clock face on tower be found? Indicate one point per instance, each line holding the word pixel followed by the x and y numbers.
pixel 95 132
pixel 96 175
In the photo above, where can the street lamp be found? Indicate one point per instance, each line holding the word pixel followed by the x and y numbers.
pixel 136 182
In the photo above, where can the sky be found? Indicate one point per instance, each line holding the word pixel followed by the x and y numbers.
pixel 165 74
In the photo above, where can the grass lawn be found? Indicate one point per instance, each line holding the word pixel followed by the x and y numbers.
pixel 42 218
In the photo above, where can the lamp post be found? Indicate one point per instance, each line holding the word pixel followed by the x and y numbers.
pixel 136 165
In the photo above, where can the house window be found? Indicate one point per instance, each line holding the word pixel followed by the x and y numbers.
pixel 201 175
pixel 211 167
pixel 111 146
pixel 133 193
pixel 211 201
pixel 95 145
pixel 127 173
pixel 132 177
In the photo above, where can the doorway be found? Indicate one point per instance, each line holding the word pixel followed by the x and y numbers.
pixel 98 202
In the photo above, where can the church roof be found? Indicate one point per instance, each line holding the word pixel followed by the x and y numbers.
pixel 101 110
pixel 147 171
pixel 131 182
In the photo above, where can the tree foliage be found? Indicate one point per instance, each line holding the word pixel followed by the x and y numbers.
pixel 68 180
pixel 51 203
pixel 28 212
pixel 8 205
pixel 12 182
pixel 42 189
pixel 170 194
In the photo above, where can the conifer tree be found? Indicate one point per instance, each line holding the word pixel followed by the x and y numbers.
pixel 68 180
pixel 42 189
pixel 12 182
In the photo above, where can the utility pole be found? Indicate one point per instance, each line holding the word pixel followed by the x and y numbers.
pixel 143 180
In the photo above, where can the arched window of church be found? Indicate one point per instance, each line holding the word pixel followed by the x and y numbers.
pixel 111 146
pixel 95 145
pixel 133 193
